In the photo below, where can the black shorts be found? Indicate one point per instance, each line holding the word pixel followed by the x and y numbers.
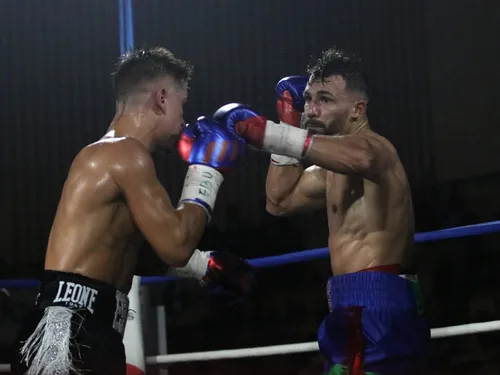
pixel 76 326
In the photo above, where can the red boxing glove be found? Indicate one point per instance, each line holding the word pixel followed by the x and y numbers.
pixel 289 105
pixel 208 143
pixel 290 99
pixel 263 134
pixel 229 272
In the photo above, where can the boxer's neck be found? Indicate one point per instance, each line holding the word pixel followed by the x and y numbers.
pixel 356 127
pixel 132 121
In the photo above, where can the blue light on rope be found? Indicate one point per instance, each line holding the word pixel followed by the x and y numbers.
pixel 306 255
pixel 126 25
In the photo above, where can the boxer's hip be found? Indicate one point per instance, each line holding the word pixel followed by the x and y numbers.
pixel 75 320
pixel 96 301
pixel 376 323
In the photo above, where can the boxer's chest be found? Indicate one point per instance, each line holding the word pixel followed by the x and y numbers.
pixel 344 194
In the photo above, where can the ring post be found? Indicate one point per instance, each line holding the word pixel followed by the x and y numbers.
pixel 133 338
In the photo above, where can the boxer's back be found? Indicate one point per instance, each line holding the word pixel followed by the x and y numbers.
pixel 371 221
pixel 93 233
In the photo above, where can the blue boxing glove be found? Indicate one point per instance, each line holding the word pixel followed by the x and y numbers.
pixel 208 143
pixel 289 105
pixel 265 135
pixel 240 118
pixel 290 100
pixel 208 148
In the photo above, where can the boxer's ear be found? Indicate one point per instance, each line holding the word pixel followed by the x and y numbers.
pixel 358 109
pixel 160 99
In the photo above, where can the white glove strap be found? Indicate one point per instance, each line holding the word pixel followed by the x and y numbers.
pixel 196 268
pixel 284 139
pixel 282 160
pixel 201 186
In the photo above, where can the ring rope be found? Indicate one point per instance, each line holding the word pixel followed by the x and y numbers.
pixel 305 347
pixel 436 333
pixel 305 255
pixel 301 256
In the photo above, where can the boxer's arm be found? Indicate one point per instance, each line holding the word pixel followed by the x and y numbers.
pixel 195 268
pixel 291 189
pixel 367 156
pixel 172 233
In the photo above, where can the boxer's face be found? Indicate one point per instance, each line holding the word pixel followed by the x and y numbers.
pixel 329 107
pixel 172 118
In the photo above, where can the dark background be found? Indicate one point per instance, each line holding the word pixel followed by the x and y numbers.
pixel 433 74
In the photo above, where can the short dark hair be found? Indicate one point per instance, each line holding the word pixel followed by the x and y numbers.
pixel 140 66
pixel 335 61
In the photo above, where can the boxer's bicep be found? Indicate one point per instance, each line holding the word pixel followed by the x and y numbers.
pixel 312 183
pixel 366 156
pixel 308 194
pixel 151 208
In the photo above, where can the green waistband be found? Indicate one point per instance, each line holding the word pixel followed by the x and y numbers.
pixel 415 284
pixel 344 370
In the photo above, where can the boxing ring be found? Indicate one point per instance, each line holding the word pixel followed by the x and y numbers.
pixel 133 339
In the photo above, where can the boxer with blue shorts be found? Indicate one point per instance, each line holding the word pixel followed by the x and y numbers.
pixel 376 324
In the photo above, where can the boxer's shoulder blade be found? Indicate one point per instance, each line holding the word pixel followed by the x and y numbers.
pixel 117 156
pixel 385 151
pixel 119 147
pixel 129 160
pixel 98 167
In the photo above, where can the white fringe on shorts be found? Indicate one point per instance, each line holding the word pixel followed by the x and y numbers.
pixel 47 350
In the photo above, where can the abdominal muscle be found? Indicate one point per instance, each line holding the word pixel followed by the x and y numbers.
pixel 352 252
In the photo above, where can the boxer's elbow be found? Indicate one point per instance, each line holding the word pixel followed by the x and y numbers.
pixel 176 256
pixel 182 253
pixel 177 250
pixel 364 159
pixel 277 208
pixel 180 259
pixel 360 158
pixel 276 201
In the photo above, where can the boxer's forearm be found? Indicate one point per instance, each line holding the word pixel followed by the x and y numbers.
pixel 196 267
pixel 281 180
pixel 350 154
pixel 192 220
pixel 196 204
pixel 294 190
pixel 342 154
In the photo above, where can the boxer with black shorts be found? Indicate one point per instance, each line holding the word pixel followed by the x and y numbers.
pixel 376 323
pixel 110 202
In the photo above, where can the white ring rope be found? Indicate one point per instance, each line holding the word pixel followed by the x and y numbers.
pixel 436 333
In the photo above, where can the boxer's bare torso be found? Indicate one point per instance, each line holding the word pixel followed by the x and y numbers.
pixel 93 233
pixel 370 220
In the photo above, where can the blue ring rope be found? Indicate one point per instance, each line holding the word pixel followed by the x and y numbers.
pixel 126 25
pixel 305 255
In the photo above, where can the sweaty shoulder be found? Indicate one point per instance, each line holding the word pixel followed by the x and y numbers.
pixel 127 156
pixel 384 149
pixel 114 156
